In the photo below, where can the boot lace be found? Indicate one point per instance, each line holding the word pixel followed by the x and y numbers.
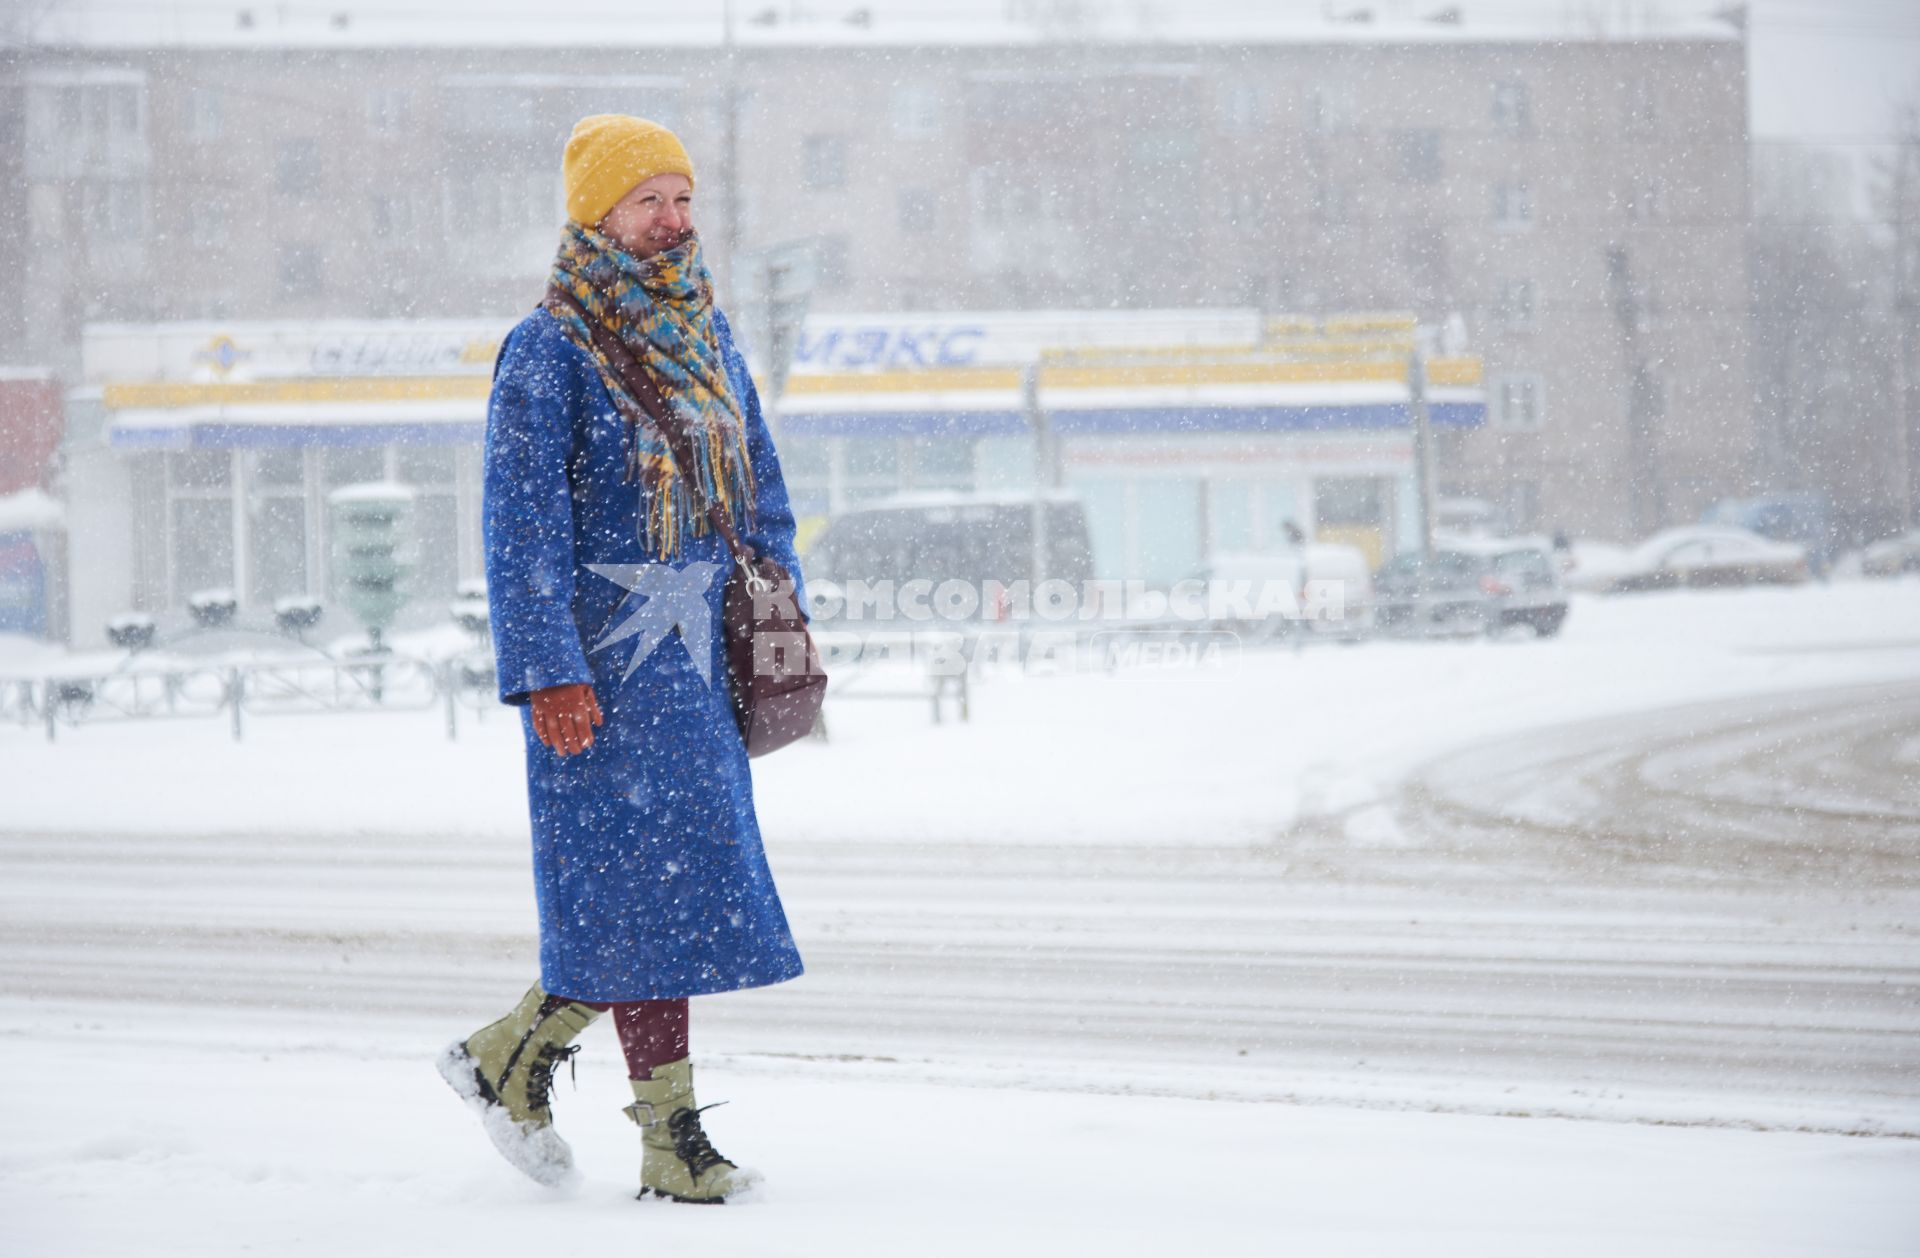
pixel 540 1074
pixel 690 1142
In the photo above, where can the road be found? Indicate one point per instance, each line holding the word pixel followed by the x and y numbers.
pixel 1699 915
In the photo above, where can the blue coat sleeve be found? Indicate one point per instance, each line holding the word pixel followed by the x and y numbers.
pixel 773 523
pixel 527 509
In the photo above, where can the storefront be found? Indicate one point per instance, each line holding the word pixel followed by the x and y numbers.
pixel 201 457
pixel 1187 434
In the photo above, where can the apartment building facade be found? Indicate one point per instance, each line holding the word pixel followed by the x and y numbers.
pixel 1578 205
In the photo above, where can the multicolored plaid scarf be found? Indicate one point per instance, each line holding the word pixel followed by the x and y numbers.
pixel 661 309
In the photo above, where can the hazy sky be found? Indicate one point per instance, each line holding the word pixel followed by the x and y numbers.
pixel 1832 67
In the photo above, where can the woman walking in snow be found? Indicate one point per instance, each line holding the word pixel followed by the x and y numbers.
pixel 606 586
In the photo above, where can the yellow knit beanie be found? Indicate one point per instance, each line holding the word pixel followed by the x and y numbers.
pixel 608 154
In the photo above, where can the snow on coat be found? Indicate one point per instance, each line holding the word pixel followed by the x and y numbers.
pixel 648 866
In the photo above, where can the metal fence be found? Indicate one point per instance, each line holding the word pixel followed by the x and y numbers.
pixel 245 690
pixel 937 667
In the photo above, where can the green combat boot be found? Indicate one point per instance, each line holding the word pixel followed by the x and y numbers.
pixel 676 1161
pixel 504 1072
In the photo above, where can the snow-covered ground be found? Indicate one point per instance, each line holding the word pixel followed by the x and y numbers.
pixel 1234 754
pixel 1337 951
pixel 156 1133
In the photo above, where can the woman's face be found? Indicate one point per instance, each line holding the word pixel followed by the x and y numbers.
pixel 654 216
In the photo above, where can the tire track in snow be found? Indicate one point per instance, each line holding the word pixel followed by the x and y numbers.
pixel 1756 956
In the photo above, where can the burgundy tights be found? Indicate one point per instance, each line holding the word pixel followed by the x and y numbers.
pixel 652 1032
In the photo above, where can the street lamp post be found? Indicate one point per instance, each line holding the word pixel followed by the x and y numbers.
pixel 1422 446
pixel 730 146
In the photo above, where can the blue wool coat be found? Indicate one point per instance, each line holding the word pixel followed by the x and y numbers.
pixel 648 867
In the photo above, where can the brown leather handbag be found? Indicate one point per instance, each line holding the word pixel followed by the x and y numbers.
pixel 775 675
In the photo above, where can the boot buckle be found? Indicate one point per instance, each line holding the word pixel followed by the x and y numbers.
pixel 633 1111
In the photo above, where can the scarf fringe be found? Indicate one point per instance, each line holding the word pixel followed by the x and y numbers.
pixel 670 512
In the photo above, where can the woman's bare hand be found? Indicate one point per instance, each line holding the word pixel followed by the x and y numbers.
pixel 564 717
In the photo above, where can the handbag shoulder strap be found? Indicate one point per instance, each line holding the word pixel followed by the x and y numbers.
pixel 640 383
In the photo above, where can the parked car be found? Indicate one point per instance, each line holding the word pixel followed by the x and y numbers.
pixel 1471 585
pixel 1803 519
pixel 1296 567
pixel 1593 567
pixel 1892 556
pixel 1704 556
pixel 943 536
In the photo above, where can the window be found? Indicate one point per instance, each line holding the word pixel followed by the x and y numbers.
pixel 279 468
pixel 301 268
pixel 495 202
pixel 72 110
pixel 114 209
pixel 1514 307
pixel 199 493
pixel 1419 156
pixel 277 524
pixel 297 166
pixel 1516 401
pixel 916 111
pixel 1638 107
pixel 1512 205
pixel 1528 569
pixel 199 469
pixel 1247 514
pixel 1332 202
pixel 1161 147
pixel 434 520
pixel 352 465
pixel 1651 308
pixel 1017 229
pixel 277 545
pixel 388 109
pixel 805 458
pixel 916 210
pixel 824 162
pixel 125 107
pixel 75 125
pixel 832 266
pixel 1239 106
pixel 942 463
pixel 392 215
pixel 1330 108
pixel 1690 554
pixel 1512 107
pixel 807 465
pixel 872 456
pixel 202 550
pixel 1011 197
pixel 102 110
pixel 207 224
pixel 424 466
pixel 497 109
pixel 1646 199
pixel 1423 253
pixel 206 114
pixel 1011 99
